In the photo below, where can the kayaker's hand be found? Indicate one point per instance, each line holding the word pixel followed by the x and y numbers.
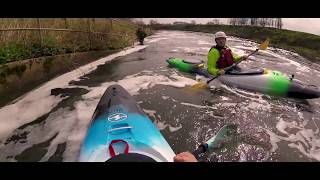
pixel 221 72
pixel 185 157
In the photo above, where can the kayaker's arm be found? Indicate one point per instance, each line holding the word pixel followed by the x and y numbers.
pixel 236 57
pixel 213 57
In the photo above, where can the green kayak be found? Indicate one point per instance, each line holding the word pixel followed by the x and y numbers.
pixel 257 80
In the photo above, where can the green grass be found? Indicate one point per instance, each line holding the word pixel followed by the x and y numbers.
pixel 20 45
pixel 18 51
pixel 305 44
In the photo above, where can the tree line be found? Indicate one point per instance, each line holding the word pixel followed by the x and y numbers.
pixel 263 22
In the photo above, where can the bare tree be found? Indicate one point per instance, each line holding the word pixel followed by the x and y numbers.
pixel 254 21
pixel 279 23
pixel 272 22
pixel 153 22
pixel 139 22
pixel 243 21
pixel 262 22
pixel 233 21
pixel 216 21
pixel 128 19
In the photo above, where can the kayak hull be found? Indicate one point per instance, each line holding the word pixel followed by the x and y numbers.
pixel 118 117
pixel 261 80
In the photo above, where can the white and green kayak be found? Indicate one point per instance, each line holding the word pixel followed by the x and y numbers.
pixel 257 80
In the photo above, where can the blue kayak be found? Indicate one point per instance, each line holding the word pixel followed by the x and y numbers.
pixel 121 132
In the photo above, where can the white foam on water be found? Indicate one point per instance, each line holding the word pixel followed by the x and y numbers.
pixel 193 105
pixel 242 50
pixel 154 40
pixel 31 107
pixel 175 35
pixel 290 62
pixel 316 125
pixel 283 51
pixel 299 66
pixel 84 111
pixel 201 42
pixel 238 52
pixel 197 106
pixel 301 69
pixel 174 129
pixel 198 50
pixel 150 81
pixel 254 59
pixel 228 104
pixel 165 97
pixel 242 40
pixel 243 154
pixel 238 47
pixel 147 71
pixel 234 39
pixel 257 103
pixel 72 129
pixel 262 105
pixel 39 101
pixel 161 125
pixel 304 140
pixel 224 98
pixel 282 125
pixel 300 114
pixel 151 113
pixel 274 139
pixel 136 82
pixel 62 122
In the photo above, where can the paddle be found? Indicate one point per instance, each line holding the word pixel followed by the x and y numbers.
pixel 214 142
pixel 263 46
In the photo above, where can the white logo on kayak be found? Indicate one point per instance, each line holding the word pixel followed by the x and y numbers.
pixel 117 117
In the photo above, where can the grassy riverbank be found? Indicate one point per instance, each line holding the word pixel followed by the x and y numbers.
pixel 25 44
pixel 305 44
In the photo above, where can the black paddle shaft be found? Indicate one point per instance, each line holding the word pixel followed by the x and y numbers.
pixel 201 149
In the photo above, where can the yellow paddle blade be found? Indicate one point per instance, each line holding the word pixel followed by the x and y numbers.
pixel 196 87
pixel 264 45
pixel 200 85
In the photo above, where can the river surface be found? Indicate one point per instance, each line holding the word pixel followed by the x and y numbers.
pixel 49 123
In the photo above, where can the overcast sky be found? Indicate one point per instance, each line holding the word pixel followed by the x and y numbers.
pixel 309 25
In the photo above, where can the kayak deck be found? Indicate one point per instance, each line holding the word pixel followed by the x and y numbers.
pixel 118 117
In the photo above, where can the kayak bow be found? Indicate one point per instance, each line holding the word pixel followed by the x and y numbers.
pixel 121 131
